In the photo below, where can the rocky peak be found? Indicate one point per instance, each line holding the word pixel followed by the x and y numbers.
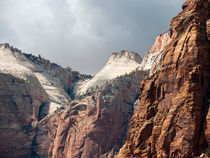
pixel 153 59
pixel 32 89
pixel 55 80
pixel 124 56
pixel 4 45
pixel 96 125
pixel 7 46
pixel 118 64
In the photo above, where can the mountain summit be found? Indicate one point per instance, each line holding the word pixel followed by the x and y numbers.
pixel 117 65
pixel 51 111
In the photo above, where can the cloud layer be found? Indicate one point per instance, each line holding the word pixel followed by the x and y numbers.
pixel 82 33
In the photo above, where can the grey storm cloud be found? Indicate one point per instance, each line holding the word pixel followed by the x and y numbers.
pixel 82 33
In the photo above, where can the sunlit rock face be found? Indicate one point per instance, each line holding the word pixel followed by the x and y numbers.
pixel 103 109
pixel 54 80
pixel 95 124
pixel 153 59
pixel 31 88
pixel 40 119
pixel 170 119
pixel 118 64
pixel 173 117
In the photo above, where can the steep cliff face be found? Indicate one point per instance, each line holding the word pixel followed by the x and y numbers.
pixel 153 59
pixel 54 80
pixel 31 88
pixel 38 114
pixel 95 126
pixel 19 115
pixel 173 117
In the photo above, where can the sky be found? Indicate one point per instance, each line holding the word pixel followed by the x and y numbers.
pixel 82 34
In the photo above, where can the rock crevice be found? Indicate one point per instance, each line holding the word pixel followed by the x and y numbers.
pixel 178 117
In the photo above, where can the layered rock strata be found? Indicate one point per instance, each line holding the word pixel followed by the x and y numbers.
pixel 173 117
pixel 38 111
pixel 95 126
pixel 31 88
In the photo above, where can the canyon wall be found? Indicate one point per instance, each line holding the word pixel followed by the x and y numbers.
pixel 31 88
pixel 53 120
pixel 173 117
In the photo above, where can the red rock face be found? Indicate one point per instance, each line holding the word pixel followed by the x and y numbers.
pixel 153 59
pixel 96 126
pixel 173 117
pixel 161 41
pixel 19 104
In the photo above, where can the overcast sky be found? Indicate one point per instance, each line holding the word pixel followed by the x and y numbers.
pixel 83 33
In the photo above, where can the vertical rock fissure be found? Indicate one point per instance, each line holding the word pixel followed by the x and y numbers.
pixel 186 73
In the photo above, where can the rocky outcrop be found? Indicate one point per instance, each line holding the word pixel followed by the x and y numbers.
pixel 173 117
pixel 20 102
pixel 54 80
pixel 40 119
pixel 96 125
pixel 153 59
pixel 31 88
pixel 117 65
pixel 39 113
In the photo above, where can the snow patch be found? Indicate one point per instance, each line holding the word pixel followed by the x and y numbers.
pixel 16 64
pixel 148 60
pixel 117 65
pixel 152 60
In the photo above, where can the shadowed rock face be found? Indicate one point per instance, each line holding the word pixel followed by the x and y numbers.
pixel 29 87
pixel 96 126
pixel 19 115
pixel 173 117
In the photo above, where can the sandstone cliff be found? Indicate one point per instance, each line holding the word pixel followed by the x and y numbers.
pixel 31 88
pixel 173 116
pixel 52 120
pixel 19 115
pixel 40 119
pixel 96 125
pixel 153 59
